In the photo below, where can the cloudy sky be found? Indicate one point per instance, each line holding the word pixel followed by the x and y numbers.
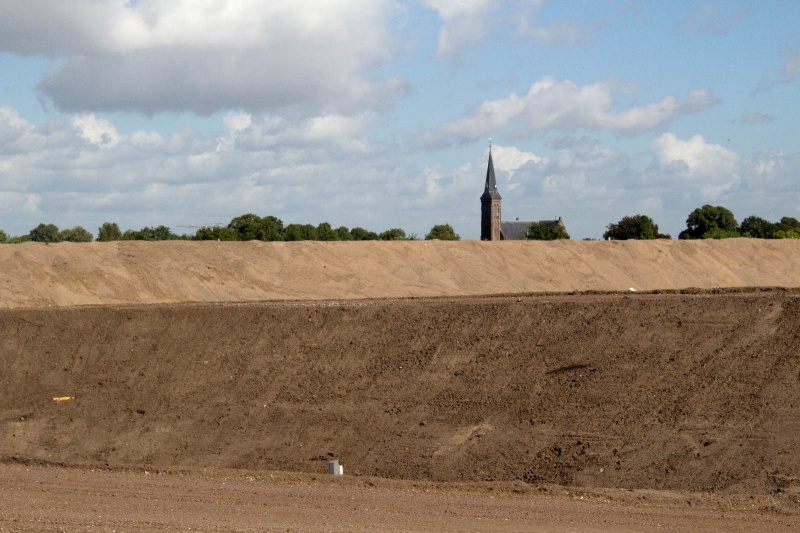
pixel 378 113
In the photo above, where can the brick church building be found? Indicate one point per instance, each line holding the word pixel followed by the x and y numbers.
pixel 492 226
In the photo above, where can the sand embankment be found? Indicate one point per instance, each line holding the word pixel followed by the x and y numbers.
pixel 64 274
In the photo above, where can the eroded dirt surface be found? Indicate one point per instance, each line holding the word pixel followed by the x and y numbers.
pixel 689 391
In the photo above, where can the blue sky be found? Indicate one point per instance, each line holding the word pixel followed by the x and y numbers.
pixel 378 113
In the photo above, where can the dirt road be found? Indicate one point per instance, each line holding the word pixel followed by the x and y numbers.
pixel 39 498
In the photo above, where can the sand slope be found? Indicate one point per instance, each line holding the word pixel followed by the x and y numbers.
pixel 66 274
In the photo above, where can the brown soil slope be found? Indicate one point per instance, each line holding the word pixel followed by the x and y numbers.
pixel 35 274
pixel 693 391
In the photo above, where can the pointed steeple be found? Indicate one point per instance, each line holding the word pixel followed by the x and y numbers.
pixel 490 190
pixel 491 217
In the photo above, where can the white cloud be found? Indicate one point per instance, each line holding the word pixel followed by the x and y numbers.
pixel 238 121
pixel 88 172
pixel 551 104
pixel 99 132
pixel 314 169
pixel 166 55
pixel 510 158
pixel 16 133
pixel 710 168
pixel 345 133
pixel 464 22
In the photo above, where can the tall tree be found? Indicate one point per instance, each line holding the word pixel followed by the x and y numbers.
pixel 109 231
pixel 344 233
pixel 215 233
pixel 710 222
pixel 300 232
pixel 326 233
pixel 393 234
pixel 640 227
pixel 757 228
pixel 271 229
pixel 248 227
pixel 45 233
pixel 76 234
pixel 442 232
pixel 360 234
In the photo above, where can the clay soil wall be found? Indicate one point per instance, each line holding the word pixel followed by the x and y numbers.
pixel 691 390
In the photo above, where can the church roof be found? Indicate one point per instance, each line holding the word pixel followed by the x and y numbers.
pixel 490 190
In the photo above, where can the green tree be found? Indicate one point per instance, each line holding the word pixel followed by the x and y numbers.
pixel 344 233
pixel 271 229
pixel 360 234
pixel 393 234
pixel 757 228
pixel 443 232
pixel 76 234
pixel 159 233
pixel 326 233
pixel 710 222
pixel 786 234
pixel 539 231
pixel 109 231
pixel 788 224
pixel 45 233
pixel 248 227
pixel 215 233
pixel 251 227
pixel 300 232
pixel 640 227
pixel 3 237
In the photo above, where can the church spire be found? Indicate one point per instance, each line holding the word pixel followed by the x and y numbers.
pixel 490 190
pixel 491 219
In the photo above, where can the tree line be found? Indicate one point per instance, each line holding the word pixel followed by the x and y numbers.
pixel 246 227
pixel 706 222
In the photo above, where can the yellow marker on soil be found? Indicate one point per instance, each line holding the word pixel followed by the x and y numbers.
pixel 62 398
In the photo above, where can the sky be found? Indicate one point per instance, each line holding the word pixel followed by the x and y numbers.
pixel 379 113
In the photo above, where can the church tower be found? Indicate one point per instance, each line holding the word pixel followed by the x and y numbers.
pixel 490 205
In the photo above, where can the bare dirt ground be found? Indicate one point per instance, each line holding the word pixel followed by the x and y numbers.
pixel 675 407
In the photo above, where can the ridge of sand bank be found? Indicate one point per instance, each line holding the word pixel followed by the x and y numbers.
pixel 65 274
